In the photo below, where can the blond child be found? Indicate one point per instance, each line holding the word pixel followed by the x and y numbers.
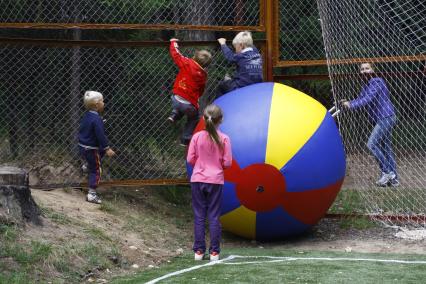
pixel 247 59
pixel 92 142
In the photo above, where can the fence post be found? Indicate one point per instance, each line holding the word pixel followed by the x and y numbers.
pixel 271 36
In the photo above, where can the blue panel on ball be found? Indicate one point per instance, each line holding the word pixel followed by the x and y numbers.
pixel 246 119
pixel 277 224
pixel 229 198
pixel 320 162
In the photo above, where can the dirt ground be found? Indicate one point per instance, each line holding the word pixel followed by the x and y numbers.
pixel 326 236
pixel 71 203
pixel 329 236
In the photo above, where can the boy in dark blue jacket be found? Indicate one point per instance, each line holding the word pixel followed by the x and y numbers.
pixel 92 141
pixel 248 60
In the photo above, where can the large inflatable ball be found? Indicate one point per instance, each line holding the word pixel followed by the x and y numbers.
pixel 288 161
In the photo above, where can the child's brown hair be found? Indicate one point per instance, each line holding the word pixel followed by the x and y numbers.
pixel 213 117
pixel 203 57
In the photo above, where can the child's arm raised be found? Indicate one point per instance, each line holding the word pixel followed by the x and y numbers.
pixel 227 52
pixel 177 57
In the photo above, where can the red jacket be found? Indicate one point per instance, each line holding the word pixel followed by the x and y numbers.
pixel 191 79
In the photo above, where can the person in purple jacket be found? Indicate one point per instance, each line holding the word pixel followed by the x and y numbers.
pixel 92 141
pixel 375 98
pixel 209 153
pixel 247 59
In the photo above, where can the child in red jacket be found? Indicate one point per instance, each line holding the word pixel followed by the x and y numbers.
pixel 188 88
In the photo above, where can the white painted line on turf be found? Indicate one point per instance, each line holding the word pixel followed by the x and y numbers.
pixel 286 258
pixel 190 269
pixel 279 259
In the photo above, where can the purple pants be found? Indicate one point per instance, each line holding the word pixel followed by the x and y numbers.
pixel 206 202
pixel 93 158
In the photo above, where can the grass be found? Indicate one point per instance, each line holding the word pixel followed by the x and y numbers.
pixel 22 259
pixel 108 207
pixel 382 200
pixel 56 217
pixel 162 218
pixel 97 233
pixel 14 277
pixel 28 260
pixel 299 271
pixel 348 201
pixel 24 255
pixel 359 223
pixel 80 246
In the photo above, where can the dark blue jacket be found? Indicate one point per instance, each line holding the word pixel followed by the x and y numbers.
pixel 249 65
pixel 92 134
pixel 375 97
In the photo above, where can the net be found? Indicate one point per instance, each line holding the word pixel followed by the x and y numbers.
pixel 390 34
pixel 41 107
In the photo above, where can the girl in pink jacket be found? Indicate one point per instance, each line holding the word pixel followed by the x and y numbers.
pixel 209 153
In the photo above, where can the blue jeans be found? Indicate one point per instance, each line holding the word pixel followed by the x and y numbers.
pixel 206 204
pixel 224 87
pixel 192 118
pixel 380 144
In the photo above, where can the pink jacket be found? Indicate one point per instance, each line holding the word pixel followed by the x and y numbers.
pixel 207 158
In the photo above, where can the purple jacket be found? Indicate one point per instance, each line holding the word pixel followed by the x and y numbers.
pixel 375 97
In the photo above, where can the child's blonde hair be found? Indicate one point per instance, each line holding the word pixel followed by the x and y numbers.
pixel 243 38
pixel 91 98
pixel 213 117
pixel 203 57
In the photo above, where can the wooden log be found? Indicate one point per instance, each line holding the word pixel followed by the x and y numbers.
pixel 16 203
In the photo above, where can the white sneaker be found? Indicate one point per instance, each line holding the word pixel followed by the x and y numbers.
pixel 198 255
pixel 84 168
pixel 385 178
pixel 392 175
pixel 214 256
pixel 394 182
pixel 93 198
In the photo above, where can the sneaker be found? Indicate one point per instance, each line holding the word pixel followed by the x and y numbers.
pixel 183 145
pixel 214 256
pixel 171 119
pixel 84 168
pixel 394 182
pixel 93 198
pixel 198 255
pixel 383 181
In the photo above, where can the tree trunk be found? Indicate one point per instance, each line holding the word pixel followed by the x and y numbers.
pixel 74 98
pixel 197 12
pixel 16 203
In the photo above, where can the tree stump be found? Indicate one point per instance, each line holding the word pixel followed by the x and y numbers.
pixel 17 206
